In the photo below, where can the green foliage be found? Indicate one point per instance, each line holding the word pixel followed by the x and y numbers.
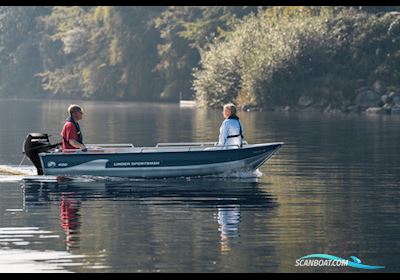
pixel 19 52
pixel 247 54
pixel 100 46
pixel 283 52
pixel 186 31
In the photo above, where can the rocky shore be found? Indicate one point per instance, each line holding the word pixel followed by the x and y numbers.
pixel 369 100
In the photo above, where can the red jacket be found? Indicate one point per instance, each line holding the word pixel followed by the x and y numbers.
pixel 69 131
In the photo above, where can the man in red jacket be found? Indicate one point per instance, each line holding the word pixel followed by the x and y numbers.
pixel 71 132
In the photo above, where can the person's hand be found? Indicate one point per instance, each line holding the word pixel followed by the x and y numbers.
pixel 83 148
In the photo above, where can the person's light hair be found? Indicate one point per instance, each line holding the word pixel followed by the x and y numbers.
pixel 231 107
pixel 74 108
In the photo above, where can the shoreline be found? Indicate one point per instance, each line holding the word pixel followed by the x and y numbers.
pixel 344 109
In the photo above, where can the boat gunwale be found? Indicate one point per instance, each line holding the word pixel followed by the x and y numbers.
pixel 185 149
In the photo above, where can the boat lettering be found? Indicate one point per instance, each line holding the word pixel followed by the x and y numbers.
pixel 136 163
pixel 145 163
pixel 40 140
pixel 52 164
pixel 121 163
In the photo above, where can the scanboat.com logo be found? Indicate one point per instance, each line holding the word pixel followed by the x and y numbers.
pixel 329 260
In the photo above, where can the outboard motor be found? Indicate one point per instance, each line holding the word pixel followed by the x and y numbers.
pixel 34 144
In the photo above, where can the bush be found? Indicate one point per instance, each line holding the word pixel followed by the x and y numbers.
pixel 274 57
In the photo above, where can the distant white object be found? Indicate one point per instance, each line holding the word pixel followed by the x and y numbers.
pixel 187 103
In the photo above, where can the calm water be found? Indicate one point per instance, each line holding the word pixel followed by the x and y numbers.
pixel 333 188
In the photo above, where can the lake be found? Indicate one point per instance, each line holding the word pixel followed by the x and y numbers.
pixel 333 188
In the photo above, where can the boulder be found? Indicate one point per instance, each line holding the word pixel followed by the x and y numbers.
pixel 277 108
pixel 367 98
pixel 287 109
pixel 333 110
pixel 248 107
pixel 353 109
pixel 312 109
pixel 378 87
pixel 396 100
pixel 344 108
pixel 328 109
pixel 386 99
pixel 387 108
pixel 396 110
pixel 375 110
pixel 393 94
pixel 305 101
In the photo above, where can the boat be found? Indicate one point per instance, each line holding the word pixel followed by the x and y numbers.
pixel 162 161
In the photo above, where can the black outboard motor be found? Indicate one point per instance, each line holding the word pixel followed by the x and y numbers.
pixel 34 144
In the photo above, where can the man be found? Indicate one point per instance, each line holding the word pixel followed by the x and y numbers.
pixel 71 132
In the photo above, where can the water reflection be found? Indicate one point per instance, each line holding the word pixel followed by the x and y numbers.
pixel 70 219
pixel 226 199
pixel 228 220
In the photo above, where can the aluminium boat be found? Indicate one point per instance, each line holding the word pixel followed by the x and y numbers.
pixel 162 161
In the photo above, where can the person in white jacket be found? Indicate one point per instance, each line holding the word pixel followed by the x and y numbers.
pixel 231 131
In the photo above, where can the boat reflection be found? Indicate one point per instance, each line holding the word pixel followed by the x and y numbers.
pixel 227 197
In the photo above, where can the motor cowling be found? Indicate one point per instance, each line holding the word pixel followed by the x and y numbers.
pixel 34 144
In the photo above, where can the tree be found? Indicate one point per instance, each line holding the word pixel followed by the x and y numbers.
pixel 186 31
pixel 107 52
pixel 19 50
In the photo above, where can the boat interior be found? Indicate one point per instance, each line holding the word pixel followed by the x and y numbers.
pixel 160 147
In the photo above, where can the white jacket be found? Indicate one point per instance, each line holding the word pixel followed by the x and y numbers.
pixel 230 127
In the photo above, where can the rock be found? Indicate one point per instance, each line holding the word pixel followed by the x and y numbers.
pixel 353 109
pixel 346 103
pixel 248 107
pixel 286 108
pixel 322 103
pixel 311 109
pixel 396 100
pixel 374 110
pixel 343 108
pixel 396 110
pixel 378 87
pixel 367 98
pixel 328 109
pixel 379 110
pixel 386 99
pixel 305 101
pixel 387 108
pixel 393 94
pixel 332 110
